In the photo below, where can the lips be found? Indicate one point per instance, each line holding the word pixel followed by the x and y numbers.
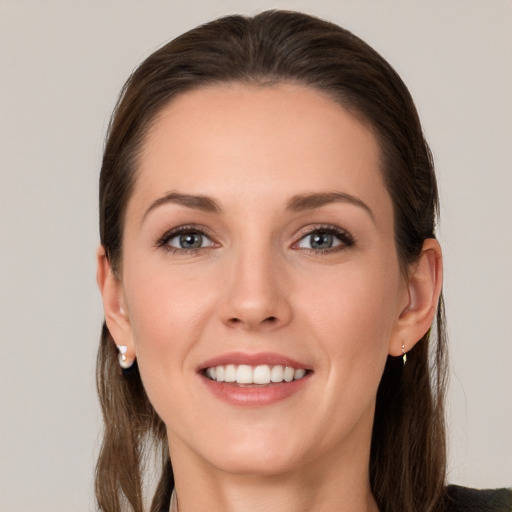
pixel 254 379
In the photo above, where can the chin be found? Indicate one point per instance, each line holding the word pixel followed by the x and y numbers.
pixel 263 454
pixel 270 463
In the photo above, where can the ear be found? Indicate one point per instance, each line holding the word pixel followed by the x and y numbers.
pixel 116 317
pixel 424 285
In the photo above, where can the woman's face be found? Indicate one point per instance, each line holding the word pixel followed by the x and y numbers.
pixel 259 236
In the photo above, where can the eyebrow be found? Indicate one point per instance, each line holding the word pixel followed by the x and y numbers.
pixel 316 200
pixel 203 203
pixel 297 203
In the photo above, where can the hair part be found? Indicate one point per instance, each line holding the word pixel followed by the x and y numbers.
pixel 408 454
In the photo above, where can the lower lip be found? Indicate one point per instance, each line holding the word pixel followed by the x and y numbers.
pixel 256 396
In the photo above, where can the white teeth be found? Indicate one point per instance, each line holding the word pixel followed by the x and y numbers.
pixel 261 374
pixel 244 374
pixel 299 374
pixel 276 374
pixel 230 373
pixel 289 373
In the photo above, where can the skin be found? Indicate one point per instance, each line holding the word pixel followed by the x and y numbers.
pixel 256 286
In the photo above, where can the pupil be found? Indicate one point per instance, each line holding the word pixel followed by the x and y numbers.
pixel 321 241
pixel 191 240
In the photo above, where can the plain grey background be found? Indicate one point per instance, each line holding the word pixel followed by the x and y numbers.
pixel 62 64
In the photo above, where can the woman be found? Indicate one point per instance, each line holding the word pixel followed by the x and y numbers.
pixel 270 276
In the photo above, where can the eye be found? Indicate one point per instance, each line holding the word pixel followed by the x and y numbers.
pixel 184 239
pixel 325 239
pixel 193 240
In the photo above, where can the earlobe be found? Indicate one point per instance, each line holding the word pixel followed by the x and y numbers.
pixel 116 317
pixel 424 288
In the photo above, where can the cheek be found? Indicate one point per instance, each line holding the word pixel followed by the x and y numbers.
pixel 358 298
pixel 353 313
pixel 168 314
pixel 167 311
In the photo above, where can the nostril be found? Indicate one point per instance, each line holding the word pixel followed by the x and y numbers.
pixel 269 320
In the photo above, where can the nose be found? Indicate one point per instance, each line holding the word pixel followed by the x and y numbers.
pixel 256 295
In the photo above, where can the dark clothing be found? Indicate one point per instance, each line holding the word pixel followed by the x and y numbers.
pixel 463 499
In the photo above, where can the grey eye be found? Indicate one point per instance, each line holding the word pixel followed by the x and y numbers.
pixel 319 240
pixel 191 240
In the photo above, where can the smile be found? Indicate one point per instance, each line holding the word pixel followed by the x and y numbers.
pixel 245 374
pixel 254 380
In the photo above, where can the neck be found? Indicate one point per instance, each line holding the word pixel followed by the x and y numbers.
pixel 328 484
pixel 258 496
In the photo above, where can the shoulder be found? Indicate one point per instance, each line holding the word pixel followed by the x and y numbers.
pixel 464 499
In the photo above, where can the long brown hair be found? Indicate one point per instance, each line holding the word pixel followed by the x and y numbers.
pixel 408 455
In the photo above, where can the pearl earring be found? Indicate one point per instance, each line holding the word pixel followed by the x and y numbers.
pixel 124 362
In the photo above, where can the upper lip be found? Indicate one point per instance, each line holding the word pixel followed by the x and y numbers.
pixel 260 358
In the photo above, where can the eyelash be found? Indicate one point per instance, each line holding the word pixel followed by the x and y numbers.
pixel 163 241
pixel 346 239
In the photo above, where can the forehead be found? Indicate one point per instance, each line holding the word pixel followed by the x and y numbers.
pixel 245 141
